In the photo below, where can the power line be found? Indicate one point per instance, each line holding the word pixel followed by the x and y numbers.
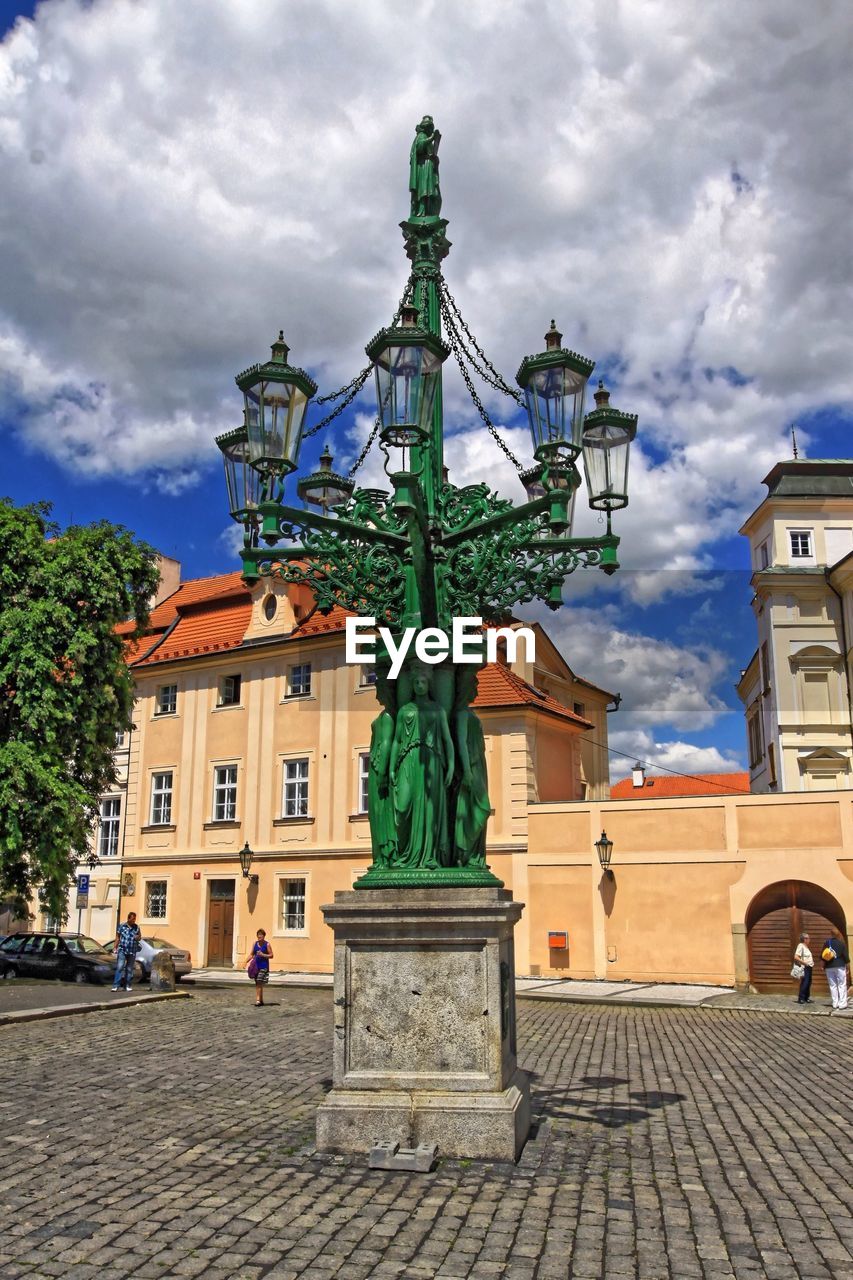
pixel 691 777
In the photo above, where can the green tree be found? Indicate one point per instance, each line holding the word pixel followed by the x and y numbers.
pixel 65 691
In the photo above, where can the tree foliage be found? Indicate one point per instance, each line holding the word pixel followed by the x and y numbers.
pixel 65 691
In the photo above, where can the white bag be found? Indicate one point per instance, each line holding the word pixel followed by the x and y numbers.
pixel 798 971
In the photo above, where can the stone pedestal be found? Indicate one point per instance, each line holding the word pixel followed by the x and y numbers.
pixel 424 1039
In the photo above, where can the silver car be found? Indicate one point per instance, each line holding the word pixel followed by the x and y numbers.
pixel 148 949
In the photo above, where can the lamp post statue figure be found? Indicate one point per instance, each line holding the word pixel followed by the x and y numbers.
pixel 419 555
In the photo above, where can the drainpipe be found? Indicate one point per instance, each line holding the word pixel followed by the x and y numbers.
pixel 827 571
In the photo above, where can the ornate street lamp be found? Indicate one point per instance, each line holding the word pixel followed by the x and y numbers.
pixel 324 488
pixel 276 396
pixel 430 551
pixel 607 436
pixel 241 478
pixel 604 849
pixel 246 856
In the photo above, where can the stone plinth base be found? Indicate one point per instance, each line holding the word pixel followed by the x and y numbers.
pixel 425 1024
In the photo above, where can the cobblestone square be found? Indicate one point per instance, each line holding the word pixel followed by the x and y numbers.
pixel 175 1140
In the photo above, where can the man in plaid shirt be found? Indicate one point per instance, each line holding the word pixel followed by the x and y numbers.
pixel 127 942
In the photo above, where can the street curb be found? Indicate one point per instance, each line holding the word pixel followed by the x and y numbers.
pixel 98 1006
pixel 608 1002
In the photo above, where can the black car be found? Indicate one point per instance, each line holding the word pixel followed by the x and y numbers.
pixel 71 957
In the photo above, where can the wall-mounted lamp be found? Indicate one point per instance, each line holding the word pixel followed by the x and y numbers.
pixel 604 849
pixel 246 856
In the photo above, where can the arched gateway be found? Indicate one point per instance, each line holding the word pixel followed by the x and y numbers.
pixel 774 921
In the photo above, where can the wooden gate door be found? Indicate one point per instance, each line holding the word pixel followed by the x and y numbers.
pixel 775 920
pixel 220 924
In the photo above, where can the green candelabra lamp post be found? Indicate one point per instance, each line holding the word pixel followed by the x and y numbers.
pixel 425 551
pixel 424 1041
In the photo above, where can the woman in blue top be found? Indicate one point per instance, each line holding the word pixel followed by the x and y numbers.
pixel 261 954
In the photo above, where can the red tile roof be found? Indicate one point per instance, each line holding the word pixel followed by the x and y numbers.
pixel 497 686
pixel 211 615
pixel 699 784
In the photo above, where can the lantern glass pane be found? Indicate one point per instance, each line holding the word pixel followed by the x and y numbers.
pixel 555 403
pixel 406 377
pixel 605 455
pixel 243 482
pixel 274 416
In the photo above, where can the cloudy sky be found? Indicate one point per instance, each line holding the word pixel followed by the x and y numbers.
pixel 667 178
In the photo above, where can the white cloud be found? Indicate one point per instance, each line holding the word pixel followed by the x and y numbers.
pixel 668 181
pixel 680 757
pixel 661 682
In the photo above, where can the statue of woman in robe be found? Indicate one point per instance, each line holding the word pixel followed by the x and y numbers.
pixel 380 802
pixel 423 170
pixel 422 762
pixel 472 799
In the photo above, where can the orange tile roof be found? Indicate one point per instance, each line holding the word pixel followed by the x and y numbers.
pixel 699 784
pixel 497 686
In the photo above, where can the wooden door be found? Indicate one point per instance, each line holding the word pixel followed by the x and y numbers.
pixel 220 924
pixel 775 920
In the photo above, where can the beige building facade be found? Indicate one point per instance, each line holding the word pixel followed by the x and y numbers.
pixel 796 687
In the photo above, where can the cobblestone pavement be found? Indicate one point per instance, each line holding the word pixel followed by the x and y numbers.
pixel 174 1140
pixel 41 993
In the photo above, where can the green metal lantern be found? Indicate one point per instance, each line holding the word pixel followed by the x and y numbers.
pixel 276 397
pixel 607 437
pixel 325 488
pixel 554 385
pixel 243 482
pixel 407 361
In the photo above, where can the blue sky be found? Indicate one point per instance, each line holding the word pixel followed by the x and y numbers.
pixel 184 180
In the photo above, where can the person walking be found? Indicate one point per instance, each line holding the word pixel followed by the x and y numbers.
pixel 259 965
pixel 128 938
pixel 803 956
pixel 836 958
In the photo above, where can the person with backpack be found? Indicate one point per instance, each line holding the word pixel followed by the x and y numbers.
pixel 836 958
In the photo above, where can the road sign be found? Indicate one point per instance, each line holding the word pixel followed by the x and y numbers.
pixel 82 894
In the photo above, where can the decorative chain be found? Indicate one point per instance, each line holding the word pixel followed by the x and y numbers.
pixel 458 350
pixel 486 369
pixel 348 393
pixel 366 450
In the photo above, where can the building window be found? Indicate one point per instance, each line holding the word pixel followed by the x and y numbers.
pixel 120 739
pixel 167 700
pixel 579 708
pixel 161 799
pixel 225 793
pixel 765 668
pixel 229 691
pixel 801 544
pixel 363 781
pixel 295 798
pixel 270 607
pixel 299 680
pixel 293 904
pixel 108 834
pixel 756 743
pixel 155 899
pixel 367 679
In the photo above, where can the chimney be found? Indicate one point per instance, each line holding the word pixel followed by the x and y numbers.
pixel 638 775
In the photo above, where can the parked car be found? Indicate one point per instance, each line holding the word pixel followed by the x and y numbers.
pixel 71 957
pixel 148 949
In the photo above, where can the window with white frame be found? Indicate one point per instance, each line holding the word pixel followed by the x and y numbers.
pixel 229 691
pixel 363 781
pixel 763 554
pixel 156 892
pixel 225 793
pixel 161 798
pixel 167 700
pixel 120 739
pixel 299 680
pixel 293 904
pixel 801 544
pixel 110 821
pixel 295 792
